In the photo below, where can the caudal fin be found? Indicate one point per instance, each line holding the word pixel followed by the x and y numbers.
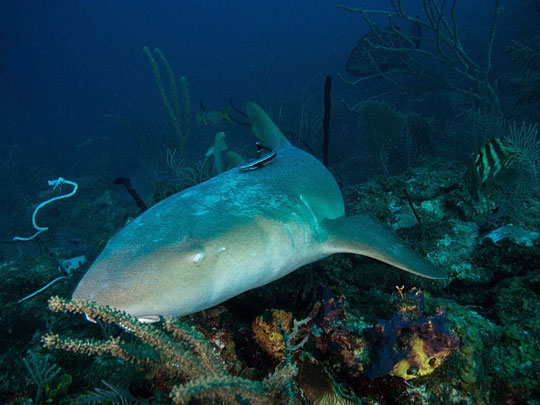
pixel 364 235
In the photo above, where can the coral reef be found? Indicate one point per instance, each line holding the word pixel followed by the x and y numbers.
pixel 269 334
pixel 339 341
pixel 411 344
pixel 182 354
pixel 490 300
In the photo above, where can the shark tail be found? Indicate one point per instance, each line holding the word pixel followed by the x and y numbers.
pixel 364 235
pixel 264 128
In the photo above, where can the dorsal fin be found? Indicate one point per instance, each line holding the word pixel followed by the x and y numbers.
pixel 264 128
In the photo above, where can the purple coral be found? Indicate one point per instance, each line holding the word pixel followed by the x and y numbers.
pixel 392 340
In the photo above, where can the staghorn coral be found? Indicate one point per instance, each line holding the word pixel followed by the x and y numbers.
pixel 177 351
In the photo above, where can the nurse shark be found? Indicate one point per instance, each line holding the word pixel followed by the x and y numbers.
pixel 240 230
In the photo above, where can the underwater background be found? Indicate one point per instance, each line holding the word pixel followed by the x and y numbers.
pixel 433 129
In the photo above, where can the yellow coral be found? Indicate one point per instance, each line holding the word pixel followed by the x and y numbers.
pixel 422 359
pixel 269 334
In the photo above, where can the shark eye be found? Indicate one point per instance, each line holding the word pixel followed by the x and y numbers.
pixel 198 257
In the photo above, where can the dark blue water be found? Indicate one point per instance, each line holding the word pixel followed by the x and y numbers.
pixel 70 69
pixel 67 67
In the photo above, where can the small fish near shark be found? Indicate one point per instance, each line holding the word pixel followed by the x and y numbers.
pixel 214 116
pixel 240 230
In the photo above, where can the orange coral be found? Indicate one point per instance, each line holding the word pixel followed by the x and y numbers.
pixel 269 335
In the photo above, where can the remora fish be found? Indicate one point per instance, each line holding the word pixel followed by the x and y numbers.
pixel 239 230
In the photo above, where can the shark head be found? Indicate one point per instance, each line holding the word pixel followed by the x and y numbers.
pixel 149 274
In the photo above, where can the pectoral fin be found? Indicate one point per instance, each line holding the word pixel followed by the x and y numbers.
pixel 364 235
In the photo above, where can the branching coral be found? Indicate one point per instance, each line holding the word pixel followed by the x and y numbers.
pixel 439 26
pixel 176 350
